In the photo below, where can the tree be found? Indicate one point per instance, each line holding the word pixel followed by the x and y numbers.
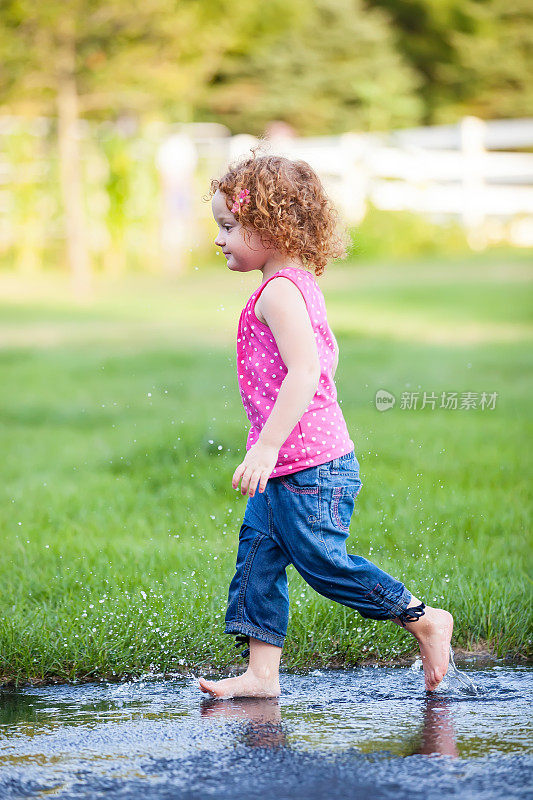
pixel 472 56
pixel 97 58
pixel 334 67
pixel 494 61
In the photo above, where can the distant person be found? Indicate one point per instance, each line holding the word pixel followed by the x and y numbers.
pixel 300 470
pixel 176 161
pixel 279 129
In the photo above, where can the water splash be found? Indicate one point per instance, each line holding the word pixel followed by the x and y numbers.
pixel 453 676
pixel 466 684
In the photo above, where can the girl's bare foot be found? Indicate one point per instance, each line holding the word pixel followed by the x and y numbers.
pixel 261 679
pixel 245 685
pixel 433 632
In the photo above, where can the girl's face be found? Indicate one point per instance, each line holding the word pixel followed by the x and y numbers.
pixel 241 255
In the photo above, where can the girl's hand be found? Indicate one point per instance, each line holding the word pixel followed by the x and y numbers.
pixel 256 468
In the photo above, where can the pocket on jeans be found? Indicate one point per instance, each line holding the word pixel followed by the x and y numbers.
pixel 304 481
pixel 342 504
pixel 348 467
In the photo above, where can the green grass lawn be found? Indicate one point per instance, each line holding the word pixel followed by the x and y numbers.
pixel 121 426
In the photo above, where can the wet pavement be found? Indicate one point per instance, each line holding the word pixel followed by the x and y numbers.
pixel 368 732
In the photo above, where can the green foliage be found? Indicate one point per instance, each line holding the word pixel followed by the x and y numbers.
pixel 324 66
pixel 333 67
pixel 471 57
pixel 121 192
pixel 402 234
pixel 147 57
pixel 495 61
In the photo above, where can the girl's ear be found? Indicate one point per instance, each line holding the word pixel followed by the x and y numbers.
pixel 266 242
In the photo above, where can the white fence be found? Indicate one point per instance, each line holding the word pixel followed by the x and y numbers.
pixel 466 172
pixel 472 172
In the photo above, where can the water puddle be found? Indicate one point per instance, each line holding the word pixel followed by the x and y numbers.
pixel 367 732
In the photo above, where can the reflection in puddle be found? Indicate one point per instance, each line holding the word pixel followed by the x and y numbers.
pixel 437 734
pixel 264 728
pixel 366 727
pixel 260 717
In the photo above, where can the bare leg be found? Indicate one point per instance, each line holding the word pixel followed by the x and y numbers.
pixel 433 632
pixel 261 679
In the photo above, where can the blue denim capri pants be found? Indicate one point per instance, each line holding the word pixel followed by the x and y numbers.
pixel 303 519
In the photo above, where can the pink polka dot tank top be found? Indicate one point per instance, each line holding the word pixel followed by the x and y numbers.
pixel 321 434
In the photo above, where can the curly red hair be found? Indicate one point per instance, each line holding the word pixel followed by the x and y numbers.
pixel 288 207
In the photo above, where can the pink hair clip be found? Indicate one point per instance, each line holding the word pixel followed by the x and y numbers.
pixel 242 199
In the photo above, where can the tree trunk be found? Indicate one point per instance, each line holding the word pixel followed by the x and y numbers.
pixel 70 170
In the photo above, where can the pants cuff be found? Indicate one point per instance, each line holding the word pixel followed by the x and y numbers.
pixel 233 626
pixel 402 602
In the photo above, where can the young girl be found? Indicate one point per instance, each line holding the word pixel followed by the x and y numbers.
pixel 300 470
